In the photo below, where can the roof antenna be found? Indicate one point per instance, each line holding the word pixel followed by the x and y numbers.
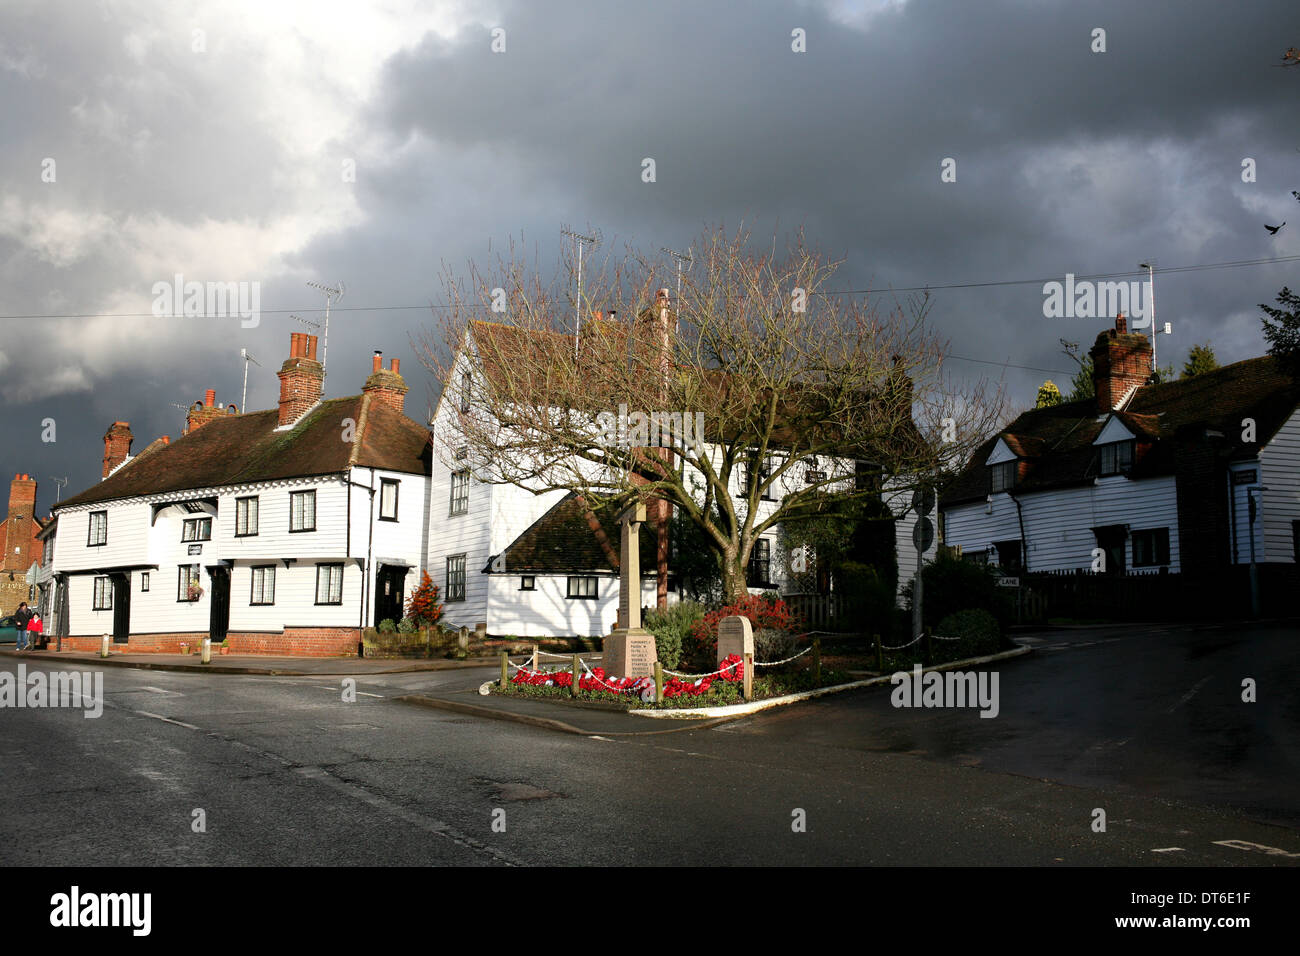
pixel 243 399
pixel 60 482
pixel 680 257
pixel 331 295
pixel 582 242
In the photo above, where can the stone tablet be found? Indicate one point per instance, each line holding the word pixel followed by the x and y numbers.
pixel 630 653
pixel 735 636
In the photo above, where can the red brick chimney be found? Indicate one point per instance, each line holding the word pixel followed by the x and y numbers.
pixel 203 412
pixel 301 378
pixel 386 385
pixel 117 445
pixel 1120 360
pixel 21 523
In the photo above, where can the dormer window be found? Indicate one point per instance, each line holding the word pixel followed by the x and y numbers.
pixel 1002 476
pixel 1116 458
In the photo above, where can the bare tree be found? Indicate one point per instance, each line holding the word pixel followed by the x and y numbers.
pixel 801 391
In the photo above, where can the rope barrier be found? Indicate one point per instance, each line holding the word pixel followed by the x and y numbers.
pixel 901 646
pixel 786 661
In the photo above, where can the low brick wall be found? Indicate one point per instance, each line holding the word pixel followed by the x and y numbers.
pixel 292 642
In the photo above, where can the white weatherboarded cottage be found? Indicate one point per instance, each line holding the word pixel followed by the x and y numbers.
pixel 282 532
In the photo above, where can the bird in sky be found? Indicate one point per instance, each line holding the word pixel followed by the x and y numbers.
pixel 1272 230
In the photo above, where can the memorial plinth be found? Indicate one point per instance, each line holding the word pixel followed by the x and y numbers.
pixel 629 651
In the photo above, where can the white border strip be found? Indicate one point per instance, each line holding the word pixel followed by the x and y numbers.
pixel 753 706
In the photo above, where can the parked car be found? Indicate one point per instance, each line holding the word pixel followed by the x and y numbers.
pixel 8 630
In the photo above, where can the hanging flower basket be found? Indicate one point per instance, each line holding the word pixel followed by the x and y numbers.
pixel 194 592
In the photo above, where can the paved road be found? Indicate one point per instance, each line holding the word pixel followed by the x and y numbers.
pixel 286 772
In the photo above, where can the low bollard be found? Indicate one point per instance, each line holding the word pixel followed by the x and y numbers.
pixel 573 688
pixel 880 655
pixel 103 646
pixel 505 669
pixel 817 661
pixel 925 647
pixel 747 685
pixel 207 651
pixel 659 683
pixel 537 660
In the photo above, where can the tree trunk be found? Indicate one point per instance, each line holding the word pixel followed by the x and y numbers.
pixel 733 578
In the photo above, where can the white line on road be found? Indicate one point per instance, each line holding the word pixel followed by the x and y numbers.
pixel 178 723
pixel 1259 847
pixel 1189 695
pixel 1169 849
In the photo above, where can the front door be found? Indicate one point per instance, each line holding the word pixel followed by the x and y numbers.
pixel 219 611
pixel 1112 540
pixel 389 600
pixel 121 607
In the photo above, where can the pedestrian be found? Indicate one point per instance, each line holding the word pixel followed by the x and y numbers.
pixel 36 630
pixel 21 617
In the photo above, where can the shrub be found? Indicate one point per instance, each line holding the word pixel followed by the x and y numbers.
pixel 870 597
pixel 387 626
pixel 423 606
pixel 773 645
pixel 671 626
pixel 977 629
pixel 764 614
pixel 406 625
pixel 953 585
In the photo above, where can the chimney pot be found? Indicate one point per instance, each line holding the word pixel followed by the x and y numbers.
pixel 311 347
pixel 396 366
pixel 1121 324
pixel 210 397
pixel 377 361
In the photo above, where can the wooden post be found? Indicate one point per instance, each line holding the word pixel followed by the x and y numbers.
pixel 880 655
pixel 505 669
pixel 576 670
pixel 748 680
pixel 659 683
pixel 925 647
pixel 817 661
pixel 537 662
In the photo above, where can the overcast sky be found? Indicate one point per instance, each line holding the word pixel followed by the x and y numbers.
pixel 212 140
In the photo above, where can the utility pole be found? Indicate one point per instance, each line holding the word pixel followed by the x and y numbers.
pixel 682 258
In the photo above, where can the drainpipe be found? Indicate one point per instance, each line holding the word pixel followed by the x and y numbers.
pixel 370 544
pixel 1024 546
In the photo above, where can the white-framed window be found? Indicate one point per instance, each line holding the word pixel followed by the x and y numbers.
pixel 760 564
pixel 302 510
pixel 459 492
pixel 188 586
pixel 1150 547
pixel 263 590
pixel 1116 458
pixel 388 499
pixel 583 587
pixel 246 517
pixel 527 582
pixel 1002 476
pixel 455 589
pixel 746 476
pixel 329 584
pixel 97 535
pixel 144 580
pixel 197 529
pixel 103 595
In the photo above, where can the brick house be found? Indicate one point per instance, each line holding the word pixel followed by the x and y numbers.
pixel 1157 477
pixel 284 531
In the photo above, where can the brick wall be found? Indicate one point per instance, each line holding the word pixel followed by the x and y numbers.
pixel 293 642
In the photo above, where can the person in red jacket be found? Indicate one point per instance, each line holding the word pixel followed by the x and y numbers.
pixel 35 631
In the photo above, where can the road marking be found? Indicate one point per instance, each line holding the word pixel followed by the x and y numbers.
pixel 1189 695
pixel 165 693
pixel 364 694
pixel 1169 849
pixel 178 723
pixel 1247 845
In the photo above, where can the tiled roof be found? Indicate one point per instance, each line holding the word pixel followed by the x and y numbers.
pixel 240 449
pixel 1057 441
pixel 562 542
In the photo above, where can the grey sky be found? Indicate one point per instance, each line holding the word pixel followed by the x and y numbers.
pixel 218 155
